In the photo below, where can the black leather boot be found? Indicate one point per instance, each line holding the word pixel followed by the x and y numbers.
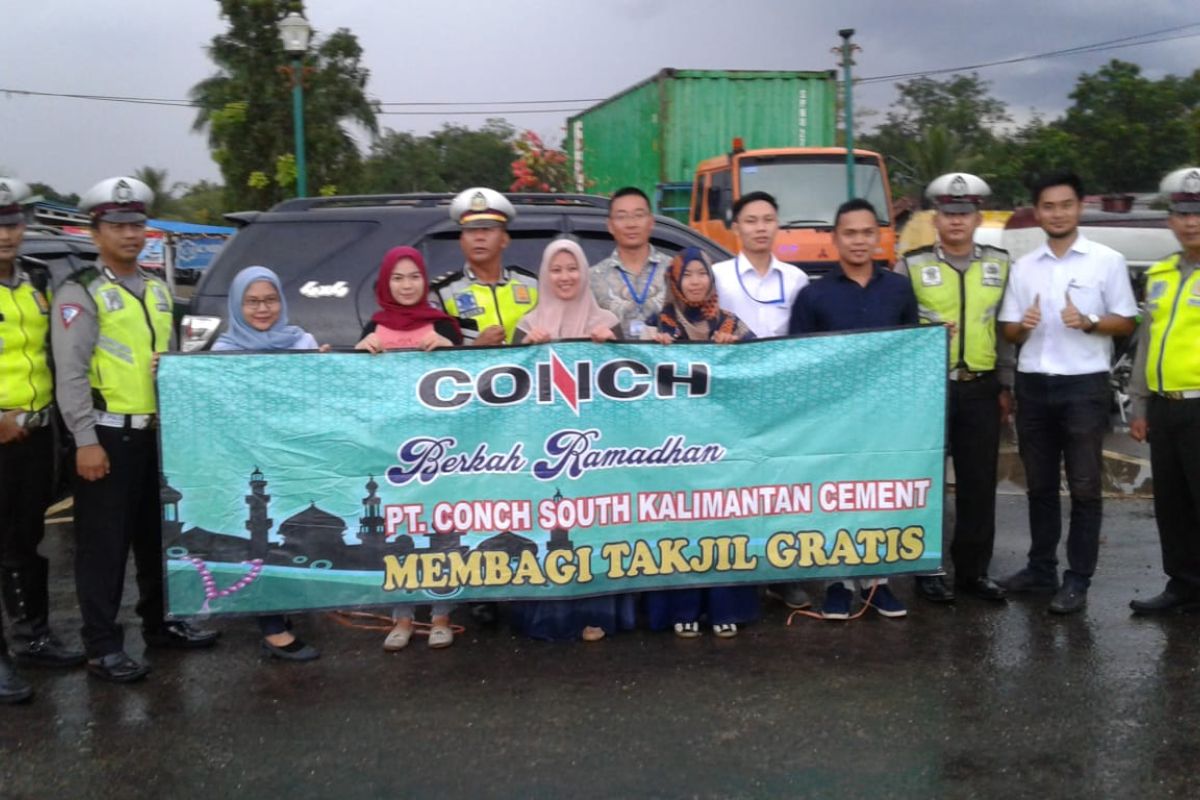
pixel 26 596
pixel 13 688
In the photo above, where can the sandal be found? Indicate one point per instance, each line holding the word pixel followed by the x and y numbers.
pixel 687 630
pixel 725 631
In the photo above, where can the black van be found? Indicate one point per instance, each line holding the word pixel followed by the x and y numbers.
pixel 327 250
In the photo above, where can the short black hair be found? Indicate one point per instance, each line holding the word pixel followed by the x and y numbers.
pixel 626 191
pixel 753 197
pixel 854 204
pixel 1063 178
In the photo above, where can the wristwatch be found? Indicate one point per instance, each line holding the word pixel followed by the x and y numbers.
pixel 1094 320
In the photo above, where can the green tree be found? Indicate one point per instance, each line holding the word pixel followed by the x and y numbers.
pixel 538 168
pixel 246 106
pixel 447 160
pixel 158 182
pixel 49 193
pixel 1130 129
pixel 202 202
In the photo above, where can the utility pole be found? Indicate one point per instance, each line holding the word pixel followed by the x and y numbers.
pixel 847 51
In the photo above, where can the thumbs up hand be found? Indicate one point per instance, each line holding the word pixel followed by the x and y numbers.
pixel 1033 314
pixel 1071 316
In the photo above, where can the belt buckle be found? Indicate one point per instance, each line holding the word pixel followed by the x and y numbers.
pixel 965 375
pixel 1173 395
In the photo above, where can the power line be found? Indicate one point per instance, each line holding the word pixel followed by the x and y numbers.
pixel 1096 47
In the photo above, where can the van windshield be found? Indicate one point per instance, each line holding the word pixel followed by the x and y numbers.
pixel 810 188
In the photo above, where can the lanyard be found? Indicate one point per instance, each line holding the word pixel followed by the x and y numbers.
pixel 640 299
pixel 778 276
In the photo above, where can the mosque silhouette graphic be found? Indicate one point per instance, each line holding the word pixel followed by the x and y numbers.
pixel 315 538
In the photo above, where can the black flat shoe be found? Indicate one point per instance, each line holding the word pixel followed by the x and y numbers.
pixel 13 688
pixel 934 589
pixel 118 668
pixel 296 651
pixel 1069 600
pixel 180 635
pixel 1166 602
pixel 984 588
pixel 46 651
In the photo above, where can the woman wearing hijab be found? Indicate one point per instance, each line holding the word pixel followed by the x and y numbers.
pixel 406 321
pixel 567 309
pixel 693 313
pixel 258 321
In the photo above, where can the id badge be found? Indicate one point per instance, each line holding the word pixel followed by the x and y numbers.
pixel 637 328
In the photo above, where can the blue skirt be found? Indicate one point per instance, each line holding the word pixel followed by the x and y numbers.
pixel 564 620
pixel 721 604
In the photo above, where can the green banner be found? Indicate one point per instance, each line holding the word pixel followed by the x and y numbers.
pixel 337 480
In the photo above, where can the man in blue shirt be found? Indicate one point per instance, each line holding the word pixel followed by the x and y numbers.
pixel 857 295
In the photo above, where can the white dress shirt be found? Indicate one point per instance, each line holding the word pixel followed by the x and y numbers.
pixel 1097 279
pixel 763 302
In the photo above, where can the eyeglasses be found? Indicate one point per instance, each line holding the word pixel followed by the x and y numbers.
pixel 261 302
pixel 636 216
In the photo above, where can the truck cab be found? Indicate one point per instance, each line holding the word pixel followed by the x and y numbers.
pixel 809 183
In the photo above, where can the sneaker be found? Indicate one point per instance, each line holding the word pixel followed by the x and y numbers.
pixel 884 601
pixel 791 595
pixel 725 630
pixel 440 636
pixel 687 630
pixel 837 602
pixel 1026 580
pixel 398 638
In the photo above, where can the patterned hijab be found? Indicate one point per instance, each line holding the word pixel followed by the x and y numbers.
pixel 243 336
pixel 696 321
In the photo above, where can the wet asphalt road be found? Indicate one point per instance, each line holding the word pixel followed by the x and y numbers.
pixel 963 701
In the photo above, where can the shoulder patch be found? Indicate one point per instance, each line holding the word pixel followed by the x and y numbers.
pixel 445 280
pixel 84 277
pixel 995 251
pixel 521 271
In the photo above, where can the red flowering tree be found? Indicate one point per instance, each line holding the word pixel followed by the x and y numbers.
pixel 538 168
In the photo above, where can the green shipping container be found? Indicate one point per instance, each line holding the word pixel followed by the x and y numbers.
pixel 656 132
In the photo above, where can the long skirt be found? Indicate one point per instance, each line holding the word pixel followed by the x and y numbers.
pixel 564 620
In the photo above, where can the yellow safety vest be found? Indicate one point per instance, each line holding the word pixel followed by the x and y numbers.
pixel 131 331
pixel 489 304
pixel 25 379
pixel 970 300
pixel 1173 357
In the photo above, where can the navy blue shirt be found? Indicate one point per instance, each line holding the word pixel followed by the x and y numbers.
pixel 837 303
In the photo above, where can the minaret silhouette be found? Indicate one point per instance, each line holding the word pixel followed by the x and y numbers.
pixel 259 523
pixel 169 497
pixel 559 540
pixel 372 530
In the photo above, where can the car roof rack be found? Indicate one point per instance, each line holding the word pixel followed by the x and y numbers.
pixel 431 200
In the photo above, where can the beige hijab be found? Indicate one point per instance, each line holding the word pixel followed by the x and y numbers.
pixel 566 319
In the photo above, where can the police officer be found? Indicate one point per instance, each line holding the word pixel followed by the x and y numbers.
pixel 26 452
pixel 960 284
pixel 1166 392
pixel 487 297
pixel 110 323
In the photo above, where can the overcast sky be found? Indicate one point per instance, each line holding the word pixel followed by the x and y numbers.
pixel 505 50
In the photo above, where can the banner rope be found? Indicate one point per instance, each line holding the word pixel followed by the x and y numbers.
pixel 382 623
pixel 856 615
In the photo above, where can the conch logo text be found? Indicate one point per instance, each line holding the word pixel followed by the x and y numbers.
pixel 621 379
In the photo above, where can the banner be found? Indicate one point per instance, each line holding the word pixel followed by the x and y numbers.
pixel 334 480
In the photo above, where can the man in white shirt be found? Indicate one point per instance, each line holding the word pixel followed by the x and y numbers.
pixel 1064 304
pixel 755 285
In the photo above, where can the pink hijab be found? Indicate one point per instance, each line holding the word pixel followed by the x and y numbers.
pixel 566 319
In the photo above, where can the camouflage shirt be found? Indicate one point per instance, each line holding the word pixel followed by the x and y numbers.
pixel 611 284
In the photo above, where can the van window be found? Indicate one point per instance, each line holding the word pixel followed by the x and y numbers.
pixel 295 250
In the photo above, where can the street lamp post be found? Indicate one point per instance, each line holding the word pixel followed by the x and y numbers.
pixel 295 31
pixel 847 50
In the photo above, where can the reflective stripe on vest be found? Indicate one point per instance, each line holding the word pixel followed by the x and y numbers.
pixel 942 292
pixel 491 304
pixel 131 331
pixel 25 380
pixel 1173 305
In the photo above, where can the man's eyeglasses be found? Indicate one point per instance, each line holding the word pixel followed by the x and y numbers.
pixel 636 216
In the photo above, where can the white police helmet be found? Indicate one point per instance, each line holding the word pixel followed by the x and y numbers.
pixel 1182 188
pixel 12 194
pixel 480 207
pixel 118 199
pixel 958 192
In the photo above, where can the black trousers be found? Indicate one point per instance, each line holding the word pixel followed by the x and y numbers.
pixel 26 489
pixel 974 431
pixel 1063 419
pixel 112 515
pixel 1175 464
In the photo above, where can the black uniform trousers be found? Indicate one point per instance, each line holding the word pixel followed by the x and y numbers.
pixel 974 431
pixel 26 489
pixel 1175 464
pixel 1062 419
pixel 112 515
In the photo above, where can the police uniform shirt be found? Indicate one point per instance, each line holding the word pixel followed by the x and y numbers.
pixel 763 302
pixel 1139 388
pixel 74 334
pixel 1098 280
pixel 456 287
